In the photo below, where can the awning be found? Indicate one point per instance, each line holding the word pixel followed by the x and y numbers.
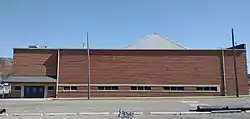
pixel 29 79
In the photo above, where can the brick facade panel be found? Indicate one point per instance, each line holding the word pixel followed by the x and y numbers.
pixel 241 73
pixel 135 67
pixel 73 67
pixel 36 63
pixel 155 69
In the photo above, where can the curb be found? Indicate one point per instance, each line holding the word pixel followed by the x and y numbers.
pixel 4 115
pixel 152 98
pixel 26 99
pixel 94 113
pixel 126 98
pixel 27 114
pixel 59 114
pixel 177 113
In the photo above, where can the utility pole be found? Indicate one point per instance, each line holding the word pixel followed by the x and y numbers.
pixel 235 66
pixel 88 58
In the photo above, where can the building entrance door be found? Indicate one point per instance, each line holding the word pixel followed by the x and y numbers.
pixel 34 91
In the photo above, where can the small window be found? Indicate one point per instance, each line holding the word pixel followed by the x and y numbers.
pixel 140 88
pixel 166 88
pixel 100 87
pixel 73 87
pixel 214 88
pixel 199 88
pixel 147 88
pixel 17 87
pixel 206 88
pixel 66 88
pixel 133 88
pixel 173 88
pixel 51 88
pixel 114 87
pixel 107 87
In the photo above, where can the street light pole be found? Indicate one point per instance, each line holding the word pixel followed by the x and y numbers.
pixel 88 60
pixel 235 66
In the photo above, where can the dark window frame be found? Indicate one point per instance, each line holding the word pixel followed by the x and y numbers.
pixel 207 88
pixel 69 88
pixel 18 88
pixel 73 88
pixel 51 88
pixel 107 88
pixel 174 88
pixel 140 88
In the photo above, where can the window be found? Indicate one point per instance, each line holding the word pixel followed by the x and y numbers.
pixel 107 87
pixel 140 88
pixel 147 88
pixel 66 88
pixel 73 88
pixel 214 88
pixel 51 88
pixel 70 88
pixel 17 88
pixel 173 88
pixel 133 88
pixel 206 88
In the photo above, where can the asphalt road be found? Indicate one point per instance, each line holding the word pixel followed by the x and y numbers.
pixel 107 109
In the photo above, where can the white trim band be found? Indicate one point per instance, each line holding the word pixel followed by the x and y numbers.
pixel 60 114
pixel 94 113
pixel 177 113
pixel 192 85
pixel 27 114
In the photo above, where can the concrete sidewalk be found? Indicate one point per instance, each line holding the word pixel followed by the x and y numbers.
pixel 124 98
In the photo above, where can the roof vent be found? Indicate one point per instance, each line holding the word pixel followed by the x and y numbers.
pixel 42 46
pixel 32 46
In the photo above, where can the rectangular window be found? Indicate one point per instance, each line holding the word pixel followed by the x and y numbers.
pixel 214 88
pixel 147 88
pixel 173 88
pixel 133 88
pixel 201 88
pixel 114 88
pixel 68 88
pixel 73 88
pixel 101 88
pixel 107 87
pixel 51 88
pixel 17 88
pixel 140 88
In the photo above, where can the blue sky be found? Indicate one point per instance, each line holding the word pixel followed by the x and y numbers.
pixel 199 24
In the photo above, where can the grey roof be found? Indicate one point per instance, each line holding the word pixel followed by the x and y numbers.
pixel 5 58
pixel 29 79
pixel 155 41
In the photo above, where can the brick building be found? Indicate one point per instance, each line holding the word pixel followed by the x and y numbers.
pixel 5 67
pixel 128 72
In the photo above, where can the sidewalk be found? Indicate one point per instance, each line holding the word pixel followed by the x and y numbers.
pixel 152 98
pixel 123 98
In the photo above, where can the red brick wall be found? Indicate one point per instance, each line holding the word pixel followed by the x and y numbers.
pixel 73 67
pixel 5 68
pixel 241 72
pixel 159 67
pixel 36 62
pixel 135 67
